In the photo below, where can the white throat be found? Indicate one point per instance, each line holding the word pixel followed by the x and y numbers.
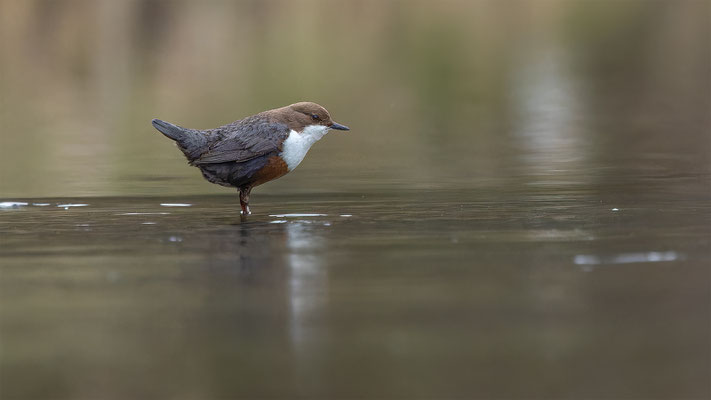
pixel 298 144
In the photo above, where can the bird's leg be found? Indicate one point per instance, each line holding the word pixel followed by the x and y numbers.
pixel 244 199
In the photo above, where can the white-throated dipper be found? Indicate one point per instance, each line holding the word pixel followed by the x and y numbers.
pixel 253 150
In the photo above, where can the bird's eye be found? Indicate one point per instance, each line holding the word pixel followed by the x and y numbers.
pixel 315 117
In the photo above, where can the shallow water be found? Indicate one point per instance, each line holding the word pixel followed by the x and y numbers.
pixel 522 208
pixel 438 293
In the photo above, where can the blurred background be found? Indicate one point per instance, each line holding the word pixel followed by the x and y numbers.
pixel 522 208
pixel 447 93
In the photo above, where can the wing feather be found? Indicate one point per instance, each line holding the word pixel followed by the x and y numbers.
pixel 244 140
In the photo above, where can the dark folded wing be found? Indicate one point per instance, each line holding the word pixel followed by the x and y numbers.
pixel 243 141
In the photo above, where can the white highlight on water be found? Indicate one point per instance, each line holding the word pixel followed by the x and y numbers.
pixel 66 206
pixel 12 204
pixel 144 213
pixel 297 215
pixel 175 205
pixel 628 258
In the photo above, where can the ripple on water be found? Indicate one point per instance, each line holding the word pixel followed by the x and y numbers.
pixel 12 204
pixel 296 215
pixel 69 205
pixel 144 213
pixel 587 260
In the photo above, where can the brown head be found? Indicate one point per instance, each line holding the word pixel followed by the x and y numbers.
pixel 300 115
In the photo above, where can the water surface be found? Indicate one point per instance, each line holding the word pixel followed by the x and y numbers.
pixel 522 208
pixel 568 292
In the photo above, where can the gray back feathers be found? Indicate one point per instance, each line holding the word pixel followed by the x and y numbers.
pixel 239 141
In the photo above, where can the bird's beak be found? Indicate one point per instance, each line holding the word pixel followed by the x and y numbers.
pixel 340 127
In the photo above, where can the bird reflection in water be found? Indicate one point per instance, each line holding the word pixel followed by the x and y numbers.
pixel 283 263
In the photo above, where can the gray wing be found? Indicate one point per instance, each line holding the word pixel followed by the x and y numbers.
pixel 244 140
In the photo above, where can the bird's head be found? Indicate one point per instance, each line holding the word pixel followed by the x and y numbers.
pixel 306 114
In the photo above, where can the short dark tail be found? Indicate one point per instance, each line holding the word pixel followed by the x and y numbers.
pixel 190 141
pixel 171 131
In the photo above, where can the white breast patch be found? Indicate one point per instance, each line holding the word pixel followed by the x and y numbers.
pixel 296 146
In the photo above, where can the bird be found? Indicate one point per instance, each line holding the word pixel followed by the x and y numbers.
pixel 253 150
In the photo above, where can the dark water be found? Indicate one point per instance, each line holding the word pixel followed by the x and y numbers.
pixel 522 208
pixel 439 293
